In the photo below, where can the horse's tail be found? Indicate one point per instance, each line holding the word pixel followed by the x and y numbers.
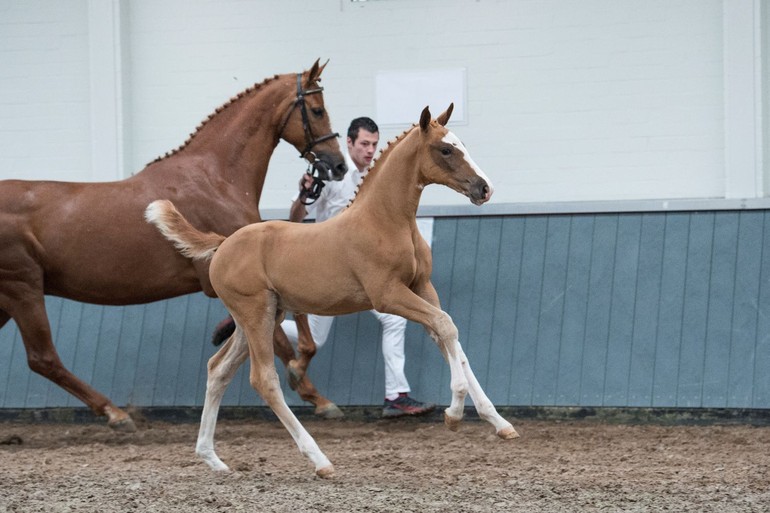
pixel 187 239
pixel 224 329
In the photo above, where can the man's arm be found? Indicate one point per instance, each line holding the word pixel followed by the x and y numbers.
pixel 298 212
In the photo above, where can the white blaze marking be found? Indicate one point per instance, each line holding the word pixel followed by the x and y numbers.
pixel 452 139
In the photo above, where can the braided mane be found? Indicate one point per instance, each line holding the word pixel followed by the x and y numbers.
pixel 382 155
pixel 246 92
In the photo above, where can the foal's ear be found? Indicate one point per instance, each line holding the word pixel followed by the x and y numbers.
pixel 425 119
pixel 443 119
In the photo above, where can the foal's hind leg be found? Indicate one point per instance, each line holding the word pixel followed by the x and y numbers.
pixel 298 380
pixel 222 367
pixel 28 310
pixel 259 329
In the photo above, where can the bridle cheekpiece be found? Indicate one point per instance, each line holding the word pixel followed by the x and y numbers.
pixel 316 167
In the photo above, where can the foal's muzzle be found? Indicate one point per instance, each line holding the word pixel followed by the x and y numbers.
pixel 480 192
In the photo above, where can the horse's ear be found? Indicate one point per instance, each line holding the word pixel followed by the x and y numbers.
pixel 443 119
pixel 315 72
pixel 425 119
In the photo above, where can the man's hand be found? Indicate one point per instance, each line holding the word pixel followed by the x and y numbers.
pixel 298 212
pixel 305 185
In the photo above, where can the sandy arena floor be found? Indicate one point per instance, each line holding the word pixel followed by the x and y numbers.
pixel 401 466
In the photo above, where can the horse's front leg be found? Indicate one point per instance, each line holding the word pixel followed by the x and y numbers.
pixel 221 369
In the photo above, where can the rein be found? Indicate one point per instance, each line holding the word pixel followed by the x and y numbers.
pixel 315 166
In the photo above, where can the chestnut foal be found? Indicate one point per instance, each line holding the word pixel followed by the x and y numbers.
pixel 374 257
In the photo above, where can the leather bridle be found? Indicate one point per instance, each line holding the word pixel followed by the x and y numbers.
pixel 316 167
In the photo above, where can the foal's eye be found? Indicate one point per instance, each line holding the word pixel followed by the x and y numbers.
pixel 446 151
pixel 317 112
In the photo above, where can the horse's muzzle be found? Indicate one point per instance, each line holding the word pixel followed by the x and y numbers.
pixel 329 167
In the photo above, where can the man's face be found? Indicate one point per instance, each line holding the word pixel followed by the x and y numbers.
pixel 362 151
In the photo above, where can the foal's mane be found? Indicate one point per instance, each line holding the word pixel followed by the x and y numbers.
pixel 378 161
pixel 235 99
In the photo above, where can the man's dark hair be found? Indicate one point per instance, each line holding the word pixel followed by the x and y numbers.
pixel 367 124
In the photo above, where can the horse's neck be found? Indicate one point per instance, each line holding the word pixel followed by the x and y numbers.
pixel 235 144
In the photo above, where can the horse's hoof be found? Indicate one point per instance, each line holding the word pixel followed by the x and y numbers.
pixel 330 411
pixel 125 425
pixel 508 433
pixel 325 472
pixel 453 423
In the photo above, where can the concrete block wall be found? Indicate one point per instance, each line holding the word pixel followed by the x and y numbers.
pixel 566 101
pixel 44 90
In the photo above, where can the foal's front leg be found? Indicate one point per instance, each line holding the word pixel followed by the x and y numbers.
pixel 424 308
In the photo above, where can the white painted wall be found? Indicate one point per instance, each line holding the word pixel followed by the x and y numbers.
pixel 566 101
pixel 44 90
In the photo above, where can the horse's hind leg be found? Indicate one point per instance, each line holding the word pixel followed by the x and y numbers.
pixel 32 320
pixel 221 369
pixel 305 347
pixel 4 318
pixel 297 377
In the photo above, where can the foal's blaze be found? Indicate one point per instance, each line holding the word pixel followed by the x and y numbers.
pixel 450 154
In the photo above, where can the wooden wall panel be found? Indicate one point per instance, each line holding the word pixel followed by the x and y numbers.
pixel 649 310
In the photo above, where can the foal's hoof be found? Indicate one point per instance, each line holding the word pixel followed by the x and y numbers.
pixel 125 425
pixel 325 472
pixel 329 411
pixel 453 423
pixel 508 433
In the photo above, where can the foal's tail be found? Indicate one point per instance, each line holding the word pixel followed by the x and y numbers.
pixel 187 239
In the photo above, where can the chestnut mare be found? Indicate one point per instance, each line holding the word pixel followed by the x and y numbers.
pixel 374 257
pixel 89 242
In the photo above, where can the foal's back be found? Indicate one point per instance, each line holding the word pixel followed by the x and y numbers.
pixel 298 261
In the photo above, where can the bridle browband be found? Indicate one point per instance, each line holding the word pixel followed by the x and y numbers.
pixel 315 166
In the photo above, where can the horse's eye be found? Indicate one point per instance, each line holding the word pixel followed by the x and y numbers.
pixel 317 112
pixel 446 151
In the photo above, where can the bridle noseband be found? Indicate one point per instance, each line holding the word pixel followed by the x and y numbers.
pixel 315 166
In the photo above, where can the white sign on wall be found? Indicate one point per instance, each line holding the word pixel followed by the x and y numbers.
pixel 401 95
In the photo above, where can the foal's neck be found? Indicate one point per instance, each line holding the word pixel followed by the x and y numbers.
pixel 391 191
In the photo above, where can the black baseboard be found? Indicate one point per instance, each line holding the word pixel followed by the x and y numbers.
pixel 619 415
